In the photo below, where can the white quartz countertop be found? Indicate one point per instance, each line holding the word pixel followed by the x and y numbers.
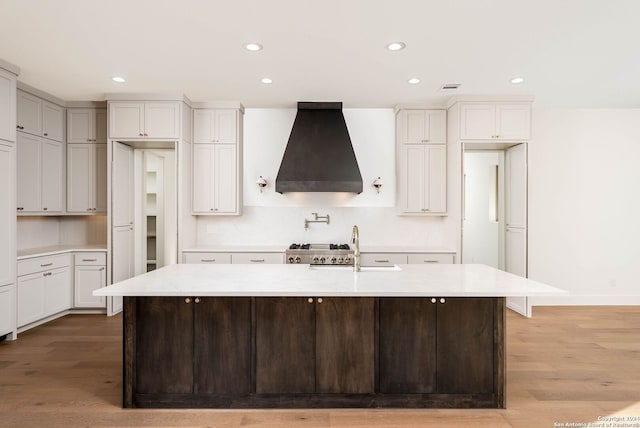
pixel 441 280
pixel 58 249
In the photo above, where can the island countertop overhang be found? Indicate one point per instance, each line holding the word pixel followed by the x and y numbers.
pixel 442 280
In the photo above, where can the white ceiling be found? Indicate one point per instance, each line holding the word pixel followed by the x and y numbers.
pixel 572 53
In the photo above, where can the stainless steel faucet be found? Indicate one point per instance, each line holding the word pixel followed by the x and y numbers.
pixel 355 240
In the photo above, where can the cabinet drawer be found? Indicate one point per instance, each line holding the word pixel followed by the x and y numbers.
pixel 430 258
pixel 257 258
pixel 383 259
pixel 207 258
pixel 39 264
pixel 90 259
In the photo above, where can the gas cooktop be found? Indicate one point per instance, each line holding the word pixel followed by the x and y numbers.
pixel 320 254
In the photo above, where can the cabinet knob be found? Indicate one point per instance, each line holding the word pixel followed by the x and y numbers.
pixel 146 135
pixel 319 299
pixel 197 300
pixel 45 208
pixel 187 300
pixel 310 300
pixel 442 300
pixel 88 209
pixel 433 300
pixel 141 134
pixel 45 134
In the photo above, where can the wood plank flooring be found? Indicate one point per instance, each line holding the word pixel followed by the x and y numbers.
pixel 566 364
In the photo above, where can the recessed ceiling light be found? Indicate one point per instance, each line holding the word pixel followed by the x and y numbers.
pixel 253 47
pixel 413 81
pixel 266 81
pixel 517 80
pixel 396 46
pixel 118 79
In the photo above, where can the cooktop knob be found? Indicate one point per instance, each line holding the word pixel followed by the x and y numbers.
pixel 298 259
pixel 322 260
pixel 316 259
pixel 334 260
pixel 290 259
pixel 341 260
pixel 347 260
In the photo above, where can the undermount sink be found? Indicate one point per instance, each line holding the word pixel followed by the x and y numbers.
pixel 394 268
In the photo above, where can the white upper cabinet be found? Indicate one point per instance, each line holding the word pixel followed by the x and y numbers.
pixel 421 162
pixel 215 126
pixel 495 121
pixel 122 178
pixel 215 179
pixel 86 125
pixel 7 215
pixel 144 120
pixel 40 167
pixel 7 106
pixel 86 178
pixel 422 126
pixel 39 117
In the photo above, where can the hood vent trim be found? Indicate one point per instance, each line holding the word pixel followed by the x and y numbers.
pixel 319 156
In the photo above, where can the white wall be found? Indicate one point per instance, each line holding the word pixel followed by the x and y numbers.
pixel 584 204
pixel 272 218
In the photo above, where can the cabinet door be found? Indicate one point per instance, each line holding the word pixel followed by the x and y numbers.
pixel 86 280
pixel 225 176
pixel 7 309
pixel 30 299
pixel 207 258
pixel 79 183
pixel 203 178
pixel 285 345
pixel 513 121
pixel 345 345
pixel 413 125
pixel 122 260
pixel 477 121
pixel 80 125
pixel 516 186
pixel 164 338
pixel 122 193
pixel 436 186
pixel 412 178
pixel 57 291
pixel 437 127
pixel 257 258
pixel 516 251
pixel 226 125
pixel 99 127
pixel 222 347
pixel 383 259
pixel 430 258
pixel 162 120
pixel 29 173
pixel 7 215
pixel 7 106
pixel 99 178
pixel 465 347
pixel 52 178
pixel 29 113
pixel 203 126
pixel 126 120
pixel 407 345
pixel 52 121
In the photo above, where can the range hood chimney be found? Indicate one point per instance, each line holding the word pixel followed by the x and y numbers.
pixel 319 156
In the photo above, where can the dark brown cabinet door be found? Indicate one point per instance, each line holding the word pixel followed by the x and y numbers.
pixel 285 345
pixel 407 345
pixel 222 345
pixel 345 345
pixel 164 345
pixel 465 346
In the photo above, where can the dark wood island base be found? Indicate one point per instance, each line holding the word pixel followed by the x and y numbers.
pixel 307 352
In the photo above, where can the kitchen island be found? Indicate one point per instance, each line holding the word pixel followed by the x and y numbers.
pixel 246 336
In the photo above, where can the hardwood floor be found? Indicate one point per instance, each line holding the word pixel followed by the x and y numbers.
pixel 567 364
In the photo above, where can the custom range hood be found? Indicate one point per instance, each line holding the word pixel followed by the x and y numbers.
pixel 319 156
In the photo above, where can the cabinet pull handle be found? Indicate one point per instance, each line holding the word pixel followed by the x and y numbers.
pixel 430 261
pixel 89 260
pixel 442 300
pixel 45 134
pixel 45 208
pixel 208 260
pixel 101 269
pixel 310 300
pixel 257 260
pixel 46 264
pixel 381 261
pixel 433 300
pixel 46 274
pixel 187 300
pixel 88 209
pixel 197 300
pixel 140 134
pixel 319 299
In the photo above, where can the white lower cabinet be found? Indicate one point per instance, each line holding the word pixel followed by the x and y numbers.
pixel 383 259
pixel 206 258
pixel 90 274
pixel 257 258
pixel 428 258
pixel 7 309
pixel 44 288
